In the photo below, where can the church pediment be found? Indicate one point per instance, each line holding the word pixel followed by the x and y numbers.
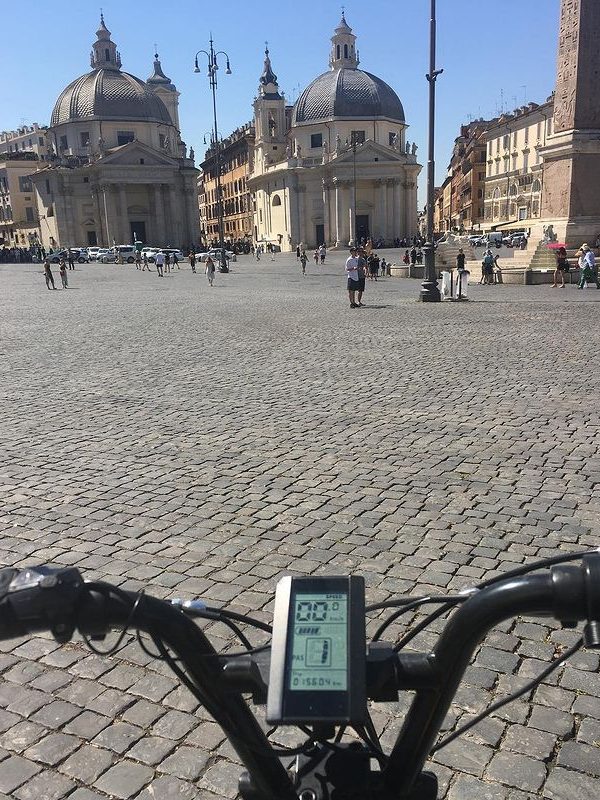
pixel 367 153
pixel 130 154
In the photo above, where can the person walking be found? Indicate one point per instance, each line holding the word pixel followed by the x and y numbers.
pixel 145 262
pixel 322 253
pixel 316 256
pixel 587 265
pixel 192 259
pixel 138 259
pixel 70 259
pixel 298 254
pixel 352 276
pixel 159 260
pixel 48 274
pixel 175 261
pixel 460 260
pixel 303 261
pixel 62 271
pixel 362 275
pixel 168 262
pixel 413 255
pixel 562 266
pixel 210 270
pixel 406 258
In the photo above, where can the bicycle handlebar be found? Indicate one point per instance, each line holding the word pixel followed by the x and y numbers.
pixel 58 600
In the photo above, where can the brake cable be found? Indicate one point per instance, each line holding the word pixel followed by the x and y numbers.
pixel 509 698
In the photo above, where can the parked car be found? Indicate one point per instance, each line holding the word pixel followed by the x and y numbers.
pixel 101 252
pixel 215 255
pixel 173 251
pixel 475 241
pixel 93 252
pixel 124 251
pixel 80 256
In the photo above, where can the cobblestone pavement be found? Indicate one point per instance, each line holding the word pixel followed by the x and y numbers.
pixel 196 441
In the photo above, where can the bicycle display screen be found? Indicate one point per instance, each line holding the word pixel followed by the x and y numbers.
pixel 318 651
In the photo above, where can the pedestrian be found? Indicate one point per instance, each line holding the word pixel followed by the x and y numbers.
pixel 384 267
pixel 168 261
pixel 322 253
pixel 175 261
pixel 488 267
pixel 159 260
pixel 192 258
pixel 419 256
pixel 145 262
pixel 210 270
pixel 70 259
pixel 48 274
pixel 406 258
pixel 298 251
pixel 352 276
pixel 316 256
pixel 362 274
pixel 138 259
pixel 460 260
pixel 272 251
pixel 303 261
pixel 562 266
pixel 413 255
pixel 62 270
pixel 587 265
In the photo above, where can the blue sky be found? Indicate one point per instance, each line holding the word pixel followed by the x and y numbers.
pixel 493 52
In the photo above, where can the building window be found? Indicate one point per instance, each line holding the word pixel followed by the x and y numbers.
pixel 345 51
pixel 536 187
pixel 316 140
pixel 47 186
pixel 161 140
pixel 63 143
pixel 277 200
pixel 24 183
pixel 523 213
pixel 123 137
pixel 514 162
pixel 86 180
pixel 29 214
pixel 338 51
pixel 84 138
pixel 50 210
pixel 525 162
pixel 357 137
pixel 40 141
pixel 506 141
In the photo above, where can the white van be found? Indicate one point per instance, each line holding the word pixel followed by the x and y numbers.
pixel 125 252
pixel 493 239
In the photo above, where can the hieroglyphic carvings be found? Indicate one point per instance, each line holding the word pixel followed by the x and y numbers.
pixel 577 101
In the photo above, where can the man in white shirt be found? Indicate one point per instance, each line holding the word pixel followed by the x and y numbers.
pixel 159 260
pixel 352 275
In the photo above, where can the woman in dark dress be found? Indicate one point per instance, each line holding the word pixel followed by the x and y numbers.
pixel 562 266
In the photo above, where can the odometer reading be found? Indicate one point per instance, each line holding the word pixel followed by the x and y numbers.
pixel 319 655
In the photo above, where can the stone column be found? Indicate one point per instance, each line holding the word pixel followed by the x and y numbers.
pixel 159 215
pixel 389 188
pixel 383 203
pixel 176 216
pixel 107 203
pixel 326 232
pixel 345 210
pixel 398 225
pixel 123 219
pixel 338 212
pixel 376 220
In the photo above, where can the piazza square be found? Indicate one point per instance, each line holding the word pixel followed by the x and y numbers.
pixel 273 326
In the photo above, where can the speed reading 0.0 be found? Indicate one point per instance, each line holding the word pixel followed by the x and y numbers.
pixel 319 657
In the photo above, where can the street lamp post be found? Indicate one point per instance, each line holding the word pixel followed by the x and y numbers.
pixel 213 66
pixel 429 289
pixel 353 228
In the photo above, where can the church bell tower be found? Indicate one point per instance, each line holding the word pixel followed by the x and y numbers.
pixel 269 117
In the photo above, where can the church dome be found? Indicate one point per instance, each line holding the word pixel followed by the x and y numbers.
pixel 347 92
pixel 109 94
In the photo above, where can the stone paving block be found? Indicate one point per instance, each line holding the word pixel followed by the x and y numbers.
pixel 53 748
pixel 467 787
pixel 517 770
pixel 88 763
pixel 15 771
pixel 118 737
pixel 185 762
pixel 48 785
pixel 580 757
pixel 562 784
pixel 168 787
pixel 124 780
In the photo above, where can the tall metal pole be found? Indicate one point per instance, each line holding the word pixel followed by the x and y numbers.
pixel 429 289
pixel 212 73
pixel 353 232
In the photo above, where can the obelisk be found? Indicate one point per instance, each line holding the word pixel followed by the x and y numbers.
pixel 571 191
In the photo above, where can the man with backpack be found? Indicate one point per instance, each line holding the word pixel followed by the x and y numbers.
pixel 487 267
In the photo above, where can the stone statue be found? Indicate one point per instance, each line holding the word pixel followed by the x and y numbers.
pixel 192 154
pixel 338 143
pixel 100 145
pixel 288 150
pixel 298 151
pixel 407 147
pixel 167 147
pixel 272 126
pixel 396 141
pixel 413 149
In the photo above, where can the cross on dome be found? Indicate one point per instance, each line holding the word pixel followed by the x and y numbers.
pixel 104 51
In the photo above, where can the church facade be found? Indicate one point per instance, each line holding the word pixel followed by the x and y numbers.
pixel 337 167
pixel 117 167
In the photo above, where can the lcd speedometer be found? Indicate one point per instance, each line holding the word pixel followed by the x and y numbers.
pixel 318 651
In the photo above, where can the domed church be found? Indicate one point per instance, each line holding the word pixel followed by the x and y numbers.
pixel 337 166
pixel 118 169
